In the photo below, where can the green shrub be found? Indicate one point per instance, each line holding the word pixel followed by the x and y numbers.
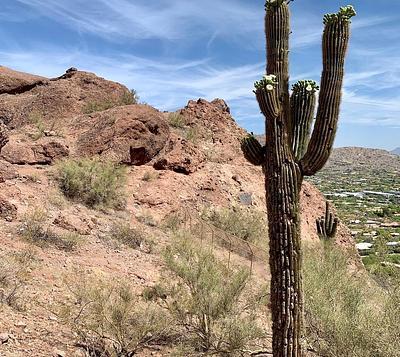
pixel 249 225
pixel 131 237
pixel 146 218
pixel 150 176
pixel 209 303
pixel 384 212
pixel 172 221
pixel 347 314
pixel 92 182
pixel 127 98
pixel 130 97
pixel 36 118
pixel 193 134
pixel 14 276
pixel 34 230
pixel 98 106
pixel 110 320
pixel 176 120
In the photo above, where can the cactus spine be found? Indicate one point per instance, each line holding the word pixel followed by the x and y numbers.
pixel 291 154
pixel 327 225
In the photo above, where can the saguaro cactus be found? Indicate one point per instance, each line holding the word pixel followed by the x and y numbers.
pixel 327 225
pixel 292 153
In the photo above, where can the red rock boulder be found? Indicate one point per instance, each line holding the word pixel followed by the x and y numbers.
pixel 132 134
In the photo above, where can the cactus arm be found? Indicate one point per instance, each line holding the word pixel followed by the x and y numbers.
pixel 335 41
pixel 302 107
pixel 277 30
pixel 253 151
pixel 266 91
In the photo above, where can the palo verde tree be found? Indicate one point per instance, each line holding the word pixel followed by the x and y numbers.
pixel 292 152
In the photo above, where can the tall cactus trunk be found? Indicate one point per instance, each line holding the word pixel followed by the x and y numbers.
pixel 283 183
pixel 291 153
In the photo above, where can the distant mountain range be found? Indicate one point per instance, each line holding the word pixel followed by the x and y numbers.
pixel 396 151
pixel 363 159
pixel 360 158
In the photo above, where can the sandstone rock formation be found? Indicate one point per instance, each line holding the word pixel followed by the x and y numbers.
pixel 132 134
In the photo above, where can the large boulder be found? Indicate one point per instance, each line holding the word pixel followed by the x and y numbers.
pixel 132 134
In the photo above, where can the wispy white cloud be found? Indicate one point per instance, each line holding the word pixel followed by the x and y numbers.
pixel 371 92
pixel 167 85
pixel 169 20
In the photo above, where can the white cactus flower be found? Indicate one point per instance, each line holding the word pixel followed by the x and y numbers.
pixel 309 88
pixel 268 77
pixel 270 87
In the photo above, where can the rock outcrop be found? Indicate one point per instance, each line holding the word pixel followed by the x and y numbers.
pixel 14 82
pixel 180 155
pixel 44 151
pixel 132 134
pixel 52 102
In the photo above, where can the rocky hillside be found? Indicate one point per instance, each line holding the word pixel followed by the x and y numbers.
pixel 179 162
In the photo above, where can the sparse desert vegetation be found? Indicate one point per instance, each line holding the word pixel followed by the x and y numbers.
pixel 130 229
pixel 92 182
pixel 109 318
pixel 15 274
pixel 347 313
pixel 35 230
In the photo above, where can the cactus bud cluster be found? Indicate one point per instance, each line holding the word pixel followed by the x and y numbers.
pixel 345 13
pixel 270 3
pixel 268 82
pixel 304 87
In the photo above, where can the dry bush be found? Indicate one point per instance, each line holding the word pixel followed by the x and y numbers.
pixel 130 97
pixel 92 182
pixel 173 222
pixel 209 303
pixel 35 231
pixel 347 314
pixel 150 176
pixel 247 224
pixel 131 237
pixel 14 276
pixel 98 106
pixel 110 320
pixel 176 120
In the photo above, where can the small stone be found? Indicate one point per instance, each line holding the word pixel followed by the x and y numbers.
pixel 4 337
pixel 237 179
pixel 59 353
pixel 21 324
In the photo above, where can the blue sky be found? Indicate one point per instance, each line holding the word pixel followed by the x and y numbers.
pixel 171 51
